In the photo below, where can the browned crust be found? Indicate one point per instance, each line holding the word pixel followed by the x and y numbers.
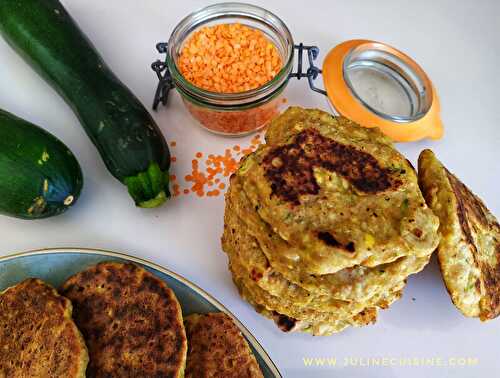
pixel 37 334
pixel 475 218
pixel 288 324
pixel 284 323
pixel 218 349
pixel 131 321
pixel 327 238
pixel 290 168
pixel 466 217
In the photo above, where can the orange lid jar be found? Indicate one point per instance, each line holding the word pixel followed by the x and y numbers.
pixel 376 85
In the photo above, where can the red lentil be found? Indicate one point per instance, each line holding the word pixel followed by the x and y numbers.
pixel 207 175
pixel 229 58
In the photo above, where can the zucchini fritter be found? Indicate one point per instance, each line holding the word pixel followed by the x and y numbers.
pixel 339 193
pixel 218 349
pixel 131 321
pixel 38 337
pixel 469 251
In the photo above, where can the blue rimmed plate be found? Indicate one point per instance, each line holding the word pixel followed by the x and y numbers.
pixel 56 265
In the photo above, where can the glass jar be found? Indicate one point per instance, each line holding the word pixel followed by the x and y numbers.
pixel 241 113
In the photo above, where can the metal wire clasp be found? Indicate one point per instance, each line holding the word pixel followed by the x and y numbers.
pixel 166 83
pixel 313 71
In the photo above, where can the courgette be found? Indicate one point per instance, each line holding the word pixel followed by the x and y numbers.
pixel 39 176
pixel 128 139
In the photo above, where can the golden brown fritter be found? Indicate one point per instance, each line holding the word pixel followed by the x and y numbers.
pixel 469 251
pixel 131 321
pixel 38 337
pixel 340 194
pixel 218 349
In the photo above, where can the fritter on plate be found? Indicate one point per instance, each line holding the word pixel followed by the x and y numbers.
pixel 131 321
pixel 339 194
pixel 469 251
pixel 218 349
pixel 38 337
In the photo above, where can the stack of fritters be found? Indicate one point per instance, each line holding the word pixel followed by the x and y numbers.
pixel 324 223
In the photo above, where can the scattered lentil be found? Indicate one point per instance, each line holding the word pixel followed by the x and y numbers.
pixel 176 190
pixel 213 193
pixel 211 171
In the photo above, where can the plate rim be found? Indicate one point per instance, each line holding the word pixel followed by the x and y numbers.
pixel 207 296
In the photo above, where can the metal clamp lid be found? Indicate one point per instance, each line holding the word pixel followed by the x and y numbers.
pixel 166 83
pixel 312 71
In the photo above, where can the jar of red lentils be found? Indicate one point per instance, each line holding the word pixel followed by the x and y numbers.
pixel 230 63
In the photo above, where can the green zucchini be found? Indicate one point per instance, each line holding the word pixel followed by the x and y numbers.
pixel 129 141
pixel 39 176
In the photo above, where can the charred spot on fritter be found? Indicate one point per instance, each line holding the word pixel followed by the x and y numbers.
pixel 290 168
pixel 285 323
pixel 468 202
pixel 491 279
pixel 350 246
pixel 327 238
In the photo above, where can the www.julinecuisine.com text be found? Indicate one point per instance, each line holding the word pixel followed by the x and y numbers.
pixel 362 362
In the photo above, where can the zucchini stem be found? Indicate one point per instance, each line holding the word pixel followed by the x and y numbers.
pixel 150 188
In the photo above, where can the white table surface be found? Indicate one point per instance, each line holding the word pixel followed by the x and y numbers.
pixel 457 44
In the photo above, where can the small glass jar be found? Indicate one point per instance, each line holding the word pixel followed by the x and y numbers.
pixel 233 114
